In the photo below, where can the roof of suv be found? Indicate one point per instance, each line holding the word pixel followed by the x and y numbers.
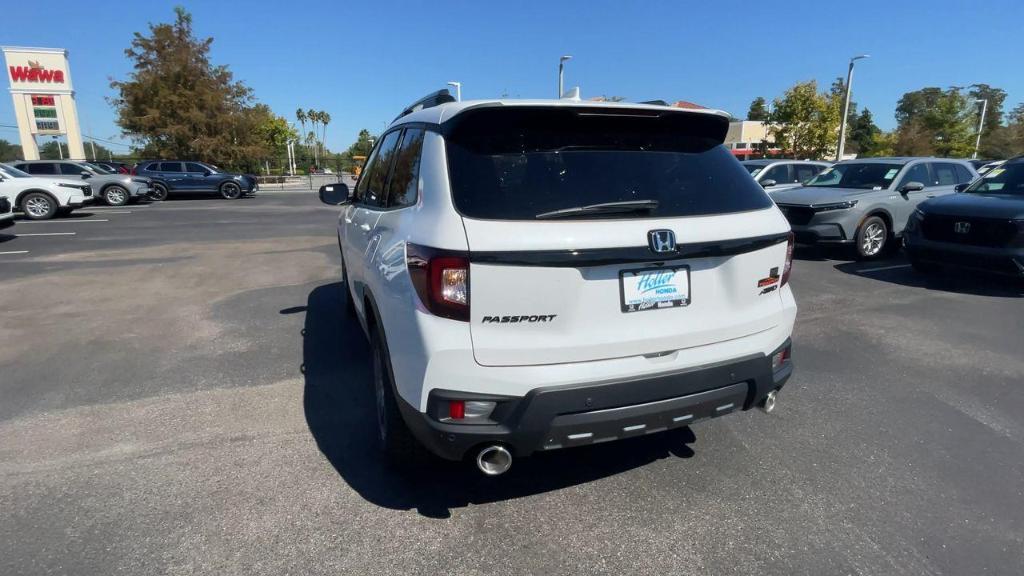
pixel 898 159
pixel 444 112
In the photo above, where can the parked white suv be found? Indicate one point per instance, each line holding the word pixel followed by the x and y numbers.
pixel 41 198
pixel 535 275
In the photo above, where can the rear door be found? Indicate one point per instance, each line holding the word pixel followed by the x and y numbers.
pixel 551 286
pixel 173 173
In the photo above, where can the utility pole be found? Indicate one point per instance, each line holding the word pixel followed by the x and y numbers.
pixel 60 150
pixel 561 67
pixel 458 90
pixel 92 144
pixel 981 125
pixel 846 107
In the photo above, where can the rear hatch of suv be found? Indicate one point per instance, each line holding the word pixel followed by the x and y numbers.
pixel 598 233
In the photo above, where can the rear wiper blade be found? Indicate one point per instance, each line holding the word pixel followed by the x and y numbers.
pixel 603 208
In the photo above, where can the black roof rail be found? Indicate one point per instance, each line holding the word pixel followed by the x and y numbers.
pixel 442 96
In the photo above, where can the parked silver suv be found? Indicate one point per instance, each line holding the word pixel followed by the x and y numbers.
pixel 866 203
pixel 113 189
pixel 774 175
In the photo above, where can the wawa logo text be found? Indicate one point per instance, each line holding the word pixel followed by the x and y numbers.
pixel 34 72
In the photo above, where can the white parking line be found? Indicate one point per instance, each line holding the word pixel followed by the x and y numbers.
pixel 14 252
pixel 47 234
pixel 59 221
pixel 884 268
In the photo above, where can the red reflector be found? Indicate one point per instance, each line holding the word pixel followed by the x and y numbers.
pixel 457 409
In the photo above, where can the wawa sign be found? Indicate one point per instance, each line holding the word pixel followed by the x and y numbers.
pixel 35 72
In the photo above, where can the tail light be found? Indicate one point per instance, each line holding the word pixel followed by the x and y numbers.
pixel 441 279
pixel 788 267
pixel 132 172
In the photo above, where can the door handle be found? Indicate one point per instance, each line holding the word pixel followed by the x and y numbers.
pixel 365 227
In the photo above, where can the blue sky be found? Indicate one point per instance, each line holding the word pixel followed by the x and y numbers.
pixel 364 61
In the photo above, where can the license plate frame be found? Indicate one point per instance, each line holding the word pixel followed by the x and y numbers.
pixel 658 305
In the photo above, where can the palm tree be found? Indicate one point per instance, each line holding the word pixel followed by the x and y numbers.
pixel 300 115
pixel 325 119
pixel 314 118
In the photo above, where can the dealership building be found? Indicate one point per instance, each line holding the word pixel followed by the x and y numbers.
pixel 44 100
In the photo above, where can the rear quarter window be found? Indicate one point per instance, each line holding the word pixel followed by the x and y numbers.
pixel 517 163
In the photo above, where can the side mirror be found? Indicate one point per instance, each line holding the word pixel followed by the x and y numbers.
pixel 962 187
pixel 86 174
pixel 911 187
pixel 768 183
pixel 334 194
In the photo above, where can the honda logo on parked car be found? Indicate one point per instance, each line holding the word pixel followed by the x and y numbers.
pixel 662 241
pixel 962 227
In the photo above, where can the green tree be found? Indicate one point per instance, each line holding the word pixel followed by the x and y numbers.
pixel 10 151
pixel 863 135
pixel 758 110
pixel 361 147
pixel 176 103
pixel 932 121
pixel 805 123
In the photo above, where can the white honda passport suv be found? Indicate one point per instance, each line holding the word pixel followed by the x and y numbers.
pixel 537 274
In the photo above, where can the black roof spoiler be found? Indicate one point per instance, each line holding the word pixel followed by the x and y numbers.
pixel 655 102
pixel 429 101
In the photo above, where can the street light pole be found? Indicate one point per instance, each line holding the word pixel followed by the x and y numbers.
pixel 561 67
pixel 846 107
pixel 458 90
pixel 981 125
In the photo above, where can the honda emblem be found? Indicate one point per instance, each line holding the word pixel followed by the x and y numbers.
pixel 962 227
pixel 662 241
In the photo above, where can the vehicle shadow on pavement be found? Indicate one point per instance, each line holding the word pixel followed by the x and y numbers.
pixel 897 270
pixel 340 412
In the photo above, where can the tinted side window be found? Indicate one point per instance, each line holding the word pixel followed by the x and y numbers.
pixel 193 167
pixel 170 167
pixel 44 168
pixel 378 178
pixel 778 173
pixel 364 176
pixel 70 170
pixel 405 175
pixel 945 174
pixel 916 173
pixel 963 175
pixel 152 167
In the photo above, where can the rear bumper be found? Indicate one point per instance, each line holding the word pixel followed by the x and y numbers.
pixel 549 418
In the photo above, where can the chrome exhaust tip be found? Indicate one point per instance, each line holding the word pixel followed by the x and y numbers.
pixel 768 404
pixel 493 460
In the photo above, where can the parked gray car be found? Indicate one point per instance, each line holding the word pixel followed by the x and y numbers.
pixel 774 174
pixel 113 189
pixel 866 203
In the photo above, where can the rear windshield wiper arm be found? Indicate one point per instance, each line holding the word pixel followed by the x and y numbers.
pixel 603 208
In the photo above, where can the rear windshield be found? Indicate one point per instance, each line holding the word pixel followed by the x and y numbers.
pixel 519 163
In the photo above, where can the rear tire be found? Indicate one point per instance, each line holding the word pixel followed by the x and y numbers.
pixel 872 239
pixel 393 436
pixel 38 206
pixel 158 193
pixel 116 196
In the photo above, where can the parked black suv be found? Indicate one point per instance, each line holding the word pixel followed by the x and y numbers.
pixel 981 228
pixel 185 177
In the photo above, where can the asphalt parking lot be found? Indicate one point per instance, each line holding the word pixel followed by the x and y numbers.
pixel 181 392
